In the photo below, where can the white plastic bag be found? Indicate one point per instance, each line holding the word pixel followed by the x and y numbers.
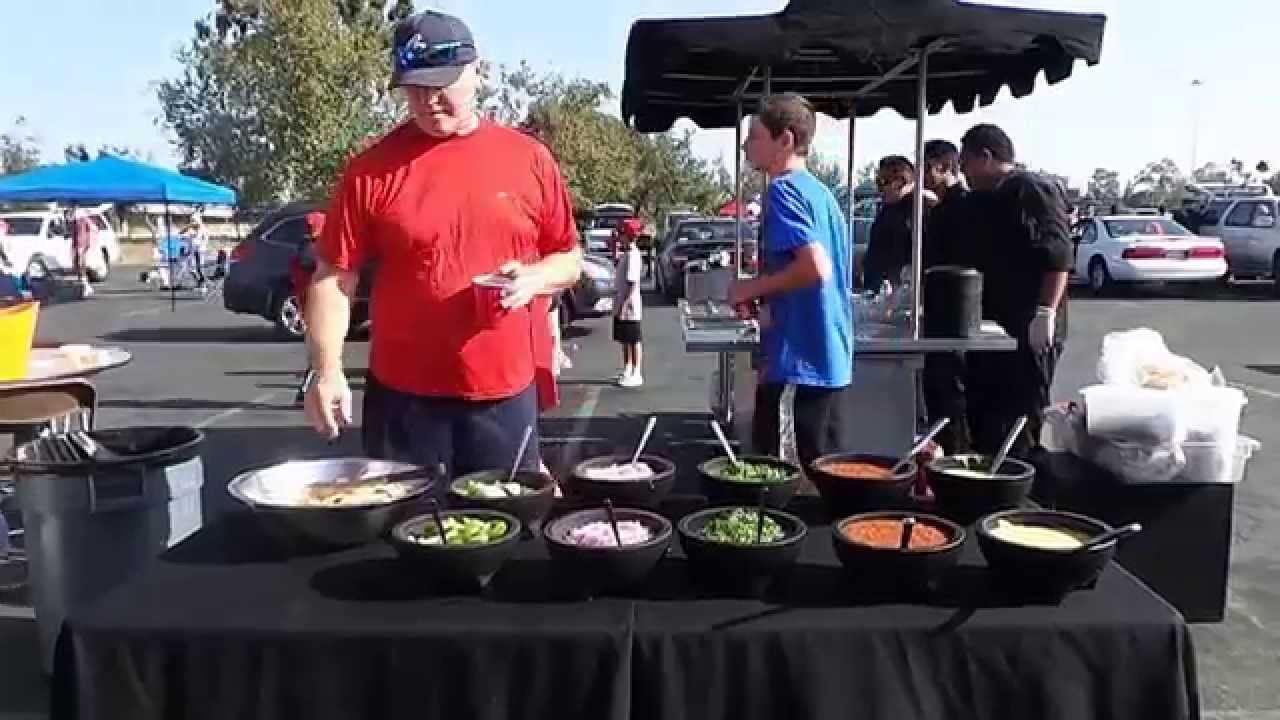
pixel 1133 414
pixel 1140 358
pixel 1136 463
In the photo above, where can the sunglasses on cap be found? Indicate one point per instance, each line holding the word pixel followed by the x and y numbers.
pixel 417 55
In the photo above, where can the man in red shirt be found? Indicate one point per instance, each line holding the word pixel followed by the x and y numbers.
pixel 433 205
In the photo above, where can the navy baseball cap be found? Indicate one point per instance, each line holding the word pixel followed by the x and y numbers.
pixel 430 49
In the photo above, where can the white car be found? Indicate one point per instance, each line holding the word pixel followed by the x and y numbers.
pixel 35 243
pixel 1144 249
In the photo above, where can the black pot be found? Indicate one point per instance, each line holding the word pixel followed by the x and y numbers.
pixel 735 492
pixel 627 493
pixel 456 566
pixel 846 495
pixel 529 509
pixel 967 498
pixel 740 569
pixel 898 569
pixel 1035 572
pixel 952 302
pixel 609 569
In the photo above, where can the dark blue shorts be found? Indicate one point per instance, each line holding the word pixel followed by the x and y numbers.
pixel 466 436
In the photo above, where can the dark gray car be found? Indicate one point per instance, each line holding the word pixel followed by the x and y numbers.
pixel 259 280
pixel 696 240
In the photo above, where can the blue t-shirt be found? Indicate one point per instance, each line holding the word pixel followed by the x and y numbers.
pixel 810 338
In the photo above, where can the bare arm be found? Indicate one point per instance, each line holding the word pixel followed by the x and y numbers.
pixel 1052 289
pixel 328 313
pixel 810 267
pixel 544 277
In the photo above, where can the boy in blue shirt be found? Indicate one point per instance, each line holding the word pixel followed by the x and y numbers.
pixel 805 283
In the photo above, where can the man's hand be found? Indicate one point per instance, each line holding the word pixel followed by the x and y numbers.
pixel 527 282
pixel 328 405
pixel 1040 332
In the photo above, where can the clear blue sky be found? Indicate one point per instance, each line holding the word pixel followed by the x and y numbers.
pixel 84 70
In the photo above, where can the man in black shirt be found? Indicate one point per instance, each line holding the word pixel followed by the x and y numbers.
pixel 1024 252
pixel 889 245
pixel 946 239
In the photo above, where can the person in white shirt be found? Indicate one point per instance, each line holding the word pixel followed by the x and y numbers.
pixel 628 309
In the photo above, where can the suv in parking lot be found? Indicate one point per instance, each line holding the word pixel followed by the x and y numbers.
pixel 1250 232
pixel 35 243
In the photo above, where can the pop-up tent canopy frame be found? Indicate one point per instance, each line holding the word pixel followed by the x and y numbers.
pixel 111 179
pixel 850 58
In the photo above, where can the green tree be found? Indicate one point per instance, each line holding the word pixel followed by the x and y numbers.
pixel 1104 186
pixel 276 94
pixel 19 148
pixel 1159 183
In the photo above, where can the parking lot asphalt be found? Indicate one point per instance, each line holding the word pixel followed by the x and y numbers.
pixel 231 377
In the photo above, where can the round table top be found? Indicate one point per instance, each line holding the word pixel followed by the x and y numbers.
pixel 65 362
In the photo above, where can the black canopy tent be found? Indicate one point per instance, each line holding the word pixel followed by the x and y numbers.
pixel 851 58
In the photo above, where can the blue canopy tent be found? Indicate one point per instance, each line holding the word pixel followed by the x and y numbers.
pixel 111 179
pixel 115 180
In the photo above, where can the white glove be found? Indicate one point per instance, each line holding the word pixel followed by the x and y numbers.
pixel 1040 332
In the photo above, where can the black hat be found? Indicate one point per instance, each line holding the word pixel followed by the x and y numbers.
pixel 430 49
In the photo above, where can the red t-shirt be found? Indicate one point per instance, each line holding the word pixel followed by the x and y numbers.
pixel 432 214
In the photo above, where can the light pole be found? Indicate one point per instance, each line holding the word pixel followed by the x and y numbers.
pixel 1195 123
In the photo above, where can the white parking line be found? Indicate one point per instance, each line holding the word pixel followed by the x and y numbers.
pixel 232 412
pixel 1258 391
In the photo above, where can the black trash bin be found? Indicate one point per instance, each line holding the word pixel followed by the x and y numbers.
pixel 92 521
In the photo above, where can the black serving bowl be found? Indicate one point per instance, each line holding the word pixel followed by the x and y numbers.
pixel 529 509
pixel 967 498
pixel 745 569
pixel 609 569
pixel 324 525
pixel 848 495
pixel 456 566
pixel 1038 572
pixel 897 569
pixel 629 493
pixel 723 491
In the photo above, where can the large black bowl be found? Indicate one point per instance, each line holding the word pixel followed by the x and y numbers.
pixel 894 568
pixel 745 569
pixel 968 498
pixel 1041 572
pixel 456 566
pixel 609 569
pixel 848 495
pixel 529 509
pixel 722 491
pixel 325 525
pixel 630 493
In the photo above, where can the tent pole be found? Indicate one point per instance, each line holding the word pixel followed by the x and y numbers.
pixel 168 248
pixel 849 175
pixel 917 215
pixel 737 185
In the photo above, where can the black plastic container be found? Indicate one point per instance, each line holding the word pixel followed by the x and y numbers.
pixel 910 570
pixel 952 302
pixel 740 569
pixel 456 567
pixel 1035 572
pixel 529 509
pixel 848 495
pixel 966 498
pixel 721 491
pixel 628 493
pixel 609 569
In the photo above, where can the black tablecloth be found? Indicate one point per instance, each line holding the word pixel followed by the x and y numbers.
pixel 233 625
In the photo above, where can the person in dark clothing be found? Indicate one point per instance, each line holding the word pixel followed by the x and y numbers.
pixel 1023 248
pixel 946 236
pixel 889 247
